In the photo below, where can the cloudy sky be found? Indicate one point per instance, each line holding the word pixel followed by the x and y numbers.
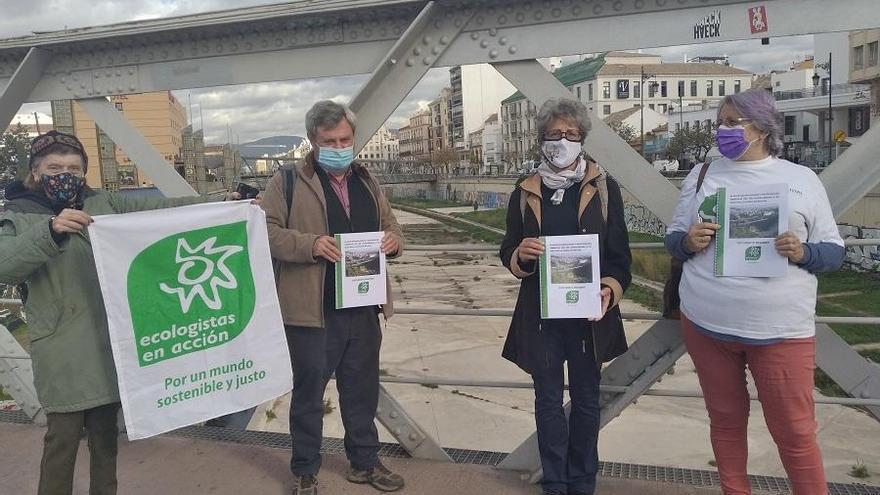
pixel 261 110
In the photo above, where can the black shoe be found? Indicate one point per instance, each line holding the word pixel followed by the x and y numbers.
pixel 305 485
pixel 380 477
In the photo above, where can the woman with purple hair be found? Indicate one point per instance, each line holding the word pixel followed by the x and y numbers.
pixel 765 324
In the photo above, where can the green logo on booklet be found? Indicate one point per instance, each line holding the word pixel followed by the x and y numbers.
pixel 363 287
pixel 191 291
pixel 572 297
pixel 753 253
pixel 708 210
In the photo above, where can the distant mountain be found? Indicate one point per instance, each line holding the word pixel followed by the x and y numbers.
pixel 271 145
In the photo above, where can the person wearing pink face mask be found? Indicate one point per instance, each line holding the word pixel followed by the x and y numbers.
pixel 764 324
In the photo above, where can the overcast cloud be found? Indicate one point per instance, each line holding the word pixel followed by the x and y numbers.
pixel 261 110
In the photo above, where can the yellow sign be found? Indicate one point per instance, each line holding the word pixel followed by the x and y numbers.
pixel 839 136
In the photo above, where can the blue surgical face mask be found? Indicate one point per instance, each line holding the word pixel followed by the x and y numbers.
pixel 335 159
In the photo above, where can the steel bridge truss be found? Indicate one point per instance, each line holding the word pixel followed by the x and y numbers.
pixel 397 42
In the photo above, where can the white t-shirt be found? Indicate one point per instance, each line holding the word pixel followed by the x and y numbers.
pixel 755 308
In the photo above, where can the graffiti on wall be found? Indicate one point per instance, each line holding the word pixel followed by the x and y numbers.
pixel 640 219
pixel 861 257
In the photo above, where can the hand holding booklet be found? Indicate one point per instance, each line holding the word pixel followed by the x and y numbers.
pixel 751 217
pixel 570 277
pixel 360 274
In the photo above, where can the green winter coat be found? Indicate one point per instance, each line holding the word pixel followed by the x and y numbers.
pixel 67 325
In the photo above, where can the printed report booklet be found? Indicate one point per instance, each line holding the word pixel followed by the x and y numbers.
pixel 751 217
pixel 360 274
pixel 570 277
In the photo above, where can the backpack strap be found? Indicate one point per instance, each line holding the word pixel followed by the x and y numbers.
pixel 702 176
pixel 289 184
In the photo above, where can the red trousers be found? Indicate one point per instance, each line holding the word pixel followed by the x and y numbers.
pixel 783 375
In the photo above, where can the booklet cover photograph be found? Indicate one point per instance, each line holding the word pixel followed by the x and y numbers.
pixel 754 222
pixel 362 263
pixel 571 269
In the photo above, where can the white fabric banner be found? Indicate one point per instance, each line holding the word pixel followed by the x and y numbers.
pixel 194 319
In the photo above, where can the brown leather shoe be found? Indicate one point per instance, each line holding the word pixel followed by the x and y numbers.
pixel 305 485
pixel 380 477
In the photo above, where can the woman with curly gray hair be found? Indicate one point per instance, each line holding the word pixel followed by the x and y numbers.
pixel 764 324
pixel 567 195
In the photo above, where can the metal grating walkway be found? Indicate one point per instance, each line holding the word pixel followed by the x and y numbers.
pixel 615 470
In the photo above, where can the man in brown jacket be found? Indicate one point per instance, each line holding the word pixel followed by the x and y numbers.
pixel 331 195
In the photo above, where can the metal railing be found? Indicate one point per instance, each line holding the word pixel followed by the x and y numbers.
pixel 836 89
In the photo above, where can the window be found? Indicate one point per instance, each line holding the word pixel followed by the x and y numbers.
pixel 651 106
pixel 858 57
pixel 606 109
pixel 119 106
pixel 721 88
pixel 872 54
pixel 663 89
pixel 637 89
pixel 687 126
pixel 652 89
pixel 662 107
pixel 677 127
pixel 680 89
pixel 606 90
pixel 590 91
pixel 789 125
pixel 579 93
pixel 707 124
pixel 737 86
pixel 693 88
pixel 709 88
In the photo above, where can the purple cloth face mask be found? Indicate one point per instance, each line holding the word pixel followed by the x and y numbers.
pixel 732 141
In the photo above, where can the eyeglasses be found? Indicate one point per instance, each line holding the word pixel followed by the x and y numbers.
pixel 733 122
pixel 574 136
pixel 41 143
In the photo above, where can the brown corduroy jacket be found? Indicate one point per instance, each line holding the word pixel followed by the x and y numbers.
pixel 299 276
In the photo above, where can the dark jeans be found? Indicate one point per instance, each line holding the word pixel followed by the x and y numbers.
pixel 61 444
pixel 569 455
pixel 349 346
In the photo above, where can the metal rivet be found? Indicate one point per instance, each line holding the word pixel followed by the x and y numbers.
pixel 428 61
pixel 475 36
pixel 444 40
pixel 427 40
pixel 417 51
pixel 436 50
pixel 493 54
pixel 493 32
pixel 410 62
pixel 392 61
pixel 484 44
pixel 520 17
pixel 393 415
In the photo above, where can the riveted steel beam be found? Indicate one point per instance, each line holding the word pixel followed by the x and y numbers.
pixel 137 148
pixel 17 377
pixel 270 44
pixel 853 373
pixel 650 357
pixel 406 430
pixel 629 169
pixel 430 34
pixel 22 82
pixel 855 173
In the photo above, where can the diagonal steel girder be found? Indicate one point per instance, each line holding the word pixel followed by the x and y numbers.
pixel 631 170
pixel 141 152
pixel 19 87
pixel 430 34
pixel 854 173
pixel 396 75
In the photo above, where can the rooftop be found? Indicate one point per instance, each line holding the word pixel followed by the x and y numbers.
pixel 672 69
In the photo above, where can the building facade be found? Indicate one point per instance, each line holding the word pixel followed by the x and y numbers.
pixel 492 146
pixel 865 66
pixel 159 117
pixel 441 126
pixel 613 82
pixel 382 146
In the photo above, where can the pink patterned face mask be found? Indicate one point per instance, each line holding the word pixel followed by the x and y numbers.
pixel 63 188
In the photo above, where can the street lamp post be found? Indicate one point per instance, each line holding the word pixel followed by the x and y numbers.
pixel 644 77
pixel 830 120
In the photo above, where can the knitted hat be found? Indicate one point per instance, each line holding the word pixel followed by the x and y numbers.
pixel 42 144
